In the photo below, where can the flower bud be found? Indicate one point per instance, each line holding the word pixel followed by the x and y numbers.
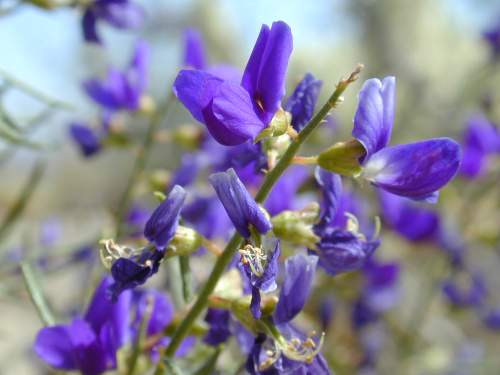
pixel 297 226
pixel 185 241
pixel 343 158
pixel 278 125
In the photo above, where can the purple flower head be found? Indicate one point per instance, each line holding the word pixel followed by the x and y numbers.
pixel 491 319
pixel 161 226
pixel 85 138
pixel 416 170
pixel 88 344
pixel 219 331
pixel 302 102
pixel 122 90
pixel 492 37
pixel 299 276
pixel 260 270
pixel 284 192
pixel 129 273
pixel 481 139
pixel 194 50
pixel 472 294
pixel 234 113
pixel 410 219
pixel 121 14
pixel 240 206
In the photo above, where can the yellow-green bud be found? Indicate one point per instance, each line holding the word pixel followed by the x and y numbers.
pixel 185 241
pixel 297 226
pixel 343 158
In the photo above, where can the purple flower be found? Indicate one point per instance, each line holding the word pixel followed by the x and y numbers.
pixel 187 172
pixel 472 294
pixel 208 217
pixel 240 206
pixel 415 170
pixel 161 314
pixel 492 37
pixel 85 138
pixel 410 219
pixel 326 312
pixel 299 276
pixel 136 219
pixel 491 319
pixel 161 226
pixel 284 191
pixel 122 89
pixel 235 113
pixel 302 102
pixel 121 14
pixel 481 139
pixel 261 271
pixel 88 344
pixel 380 290
pixel 194 51
pixel 129 273
pixel 218 332
pixel 340 249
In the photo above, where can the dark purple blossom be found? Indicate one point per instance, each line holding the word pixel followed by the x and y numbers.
pixel 492 37
pixel 415 170
pixel 161 226
pixel 235 113
pixel 299 276
pixel 88 344
pixel 302 102
pixel 260 270
pixel 219 331
pixel 240 206
pixel 122 14
pixel 481 139
pixel 410 219
pixel 85 138
pixel 122 90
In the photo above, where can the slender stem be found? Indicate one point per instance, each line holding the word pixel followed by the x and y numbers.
pixel 36 294
pixel 235 242
pixel 185 270
pixel 140 163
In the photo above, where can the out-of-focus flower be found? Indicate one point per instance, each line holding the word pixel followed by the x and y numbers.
pixel 88 344
pixel 235 113
pixel 136 219
pixel 261 270
pixel 219 331
pixel 481 139
pixel 492 37
pixel 408 218
pixel 122 90
pixel 85 138
pixel 491 318
pixel 303 100
pixel 208 217
pixel 299 276
pixel 240 206
pixel 194 50
pixel 468 291
pixel 283 194
pixel 122 14
pixel 326 312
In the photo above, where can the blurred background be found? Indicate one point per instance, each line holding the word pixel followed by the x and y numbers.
pixel 445 74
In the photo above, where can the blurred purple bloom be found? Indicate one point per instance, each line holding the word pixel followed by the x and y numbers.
pixel 129 273
pixel 188 170
pixel 481 139
pixel 88 344
pixel 122 89
pixel 218 321
pixel 410 219
pixel 302 102
pixel 235 113
pixel 299 276
pixel 85 138
pixel 162 311
pixel 208 217
pixel 261 272
pixel 194 50
pixel 380 291
pixel 121 14
pixel 415 170
pixel 472 294
pixel 162 224
pixel 492 37
pixel 136 219
pixel 331 191
pixel 50 232
pixel 491 319
pixel 240 206
pixel 285 190
pixel 326 312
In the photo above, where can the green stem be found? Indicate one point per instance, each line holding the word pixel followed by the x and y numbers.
pixel 36 294
pixel 140 163
pixel 235 242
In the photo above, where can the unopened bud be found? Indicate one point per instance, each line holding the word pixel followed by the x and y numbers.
pixel 343 158
pixel 185 241
pixel 297 226
pixel 278 126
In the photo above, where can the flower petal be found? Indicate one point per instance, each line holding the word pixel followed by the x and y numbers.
pixel 414 170
pixel 235 118
pixel 302 102
pixel 89 27
pixel 375 114
pixel 195 89
pixel 194 50
pixel 54 346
